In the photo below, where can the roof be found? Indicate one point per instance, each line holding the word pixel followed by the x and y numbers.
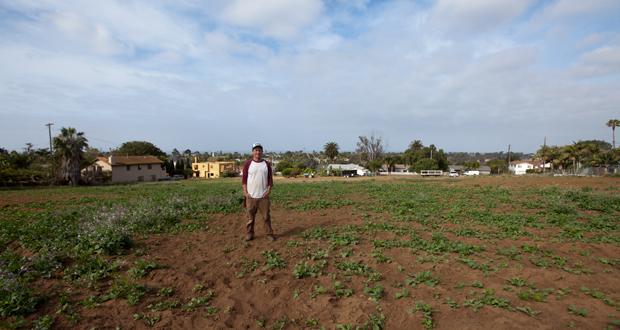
pixel 134 160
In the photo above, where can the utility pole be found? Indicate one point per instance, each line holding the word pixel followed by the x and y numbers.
pixel 49 129
pixel 509 158
pixel 543 155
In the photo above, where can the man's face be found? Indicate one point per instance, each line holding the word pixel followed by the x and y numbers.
pixel 257 153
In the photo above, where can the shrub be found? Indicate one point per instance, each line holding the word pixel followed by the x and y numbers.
pixel 15 296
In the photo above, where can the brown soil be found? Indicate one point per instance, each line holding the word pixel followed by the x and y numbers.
pixel 214 258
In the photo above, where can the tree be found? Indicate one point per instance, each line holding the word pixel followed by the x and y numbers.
pixel 331 150
pixel 370 148
pixel 471 165
pixel 613 123
pixel 497 166
pixel 139 148
pixel 69 147
pixel 374 165
pixel 390 162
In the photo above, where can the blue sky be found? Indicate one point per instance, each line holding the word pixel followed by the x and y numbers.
pixel 466 75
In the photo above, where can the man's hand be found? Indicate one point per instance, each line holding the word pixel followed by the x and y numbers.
pixel 266 194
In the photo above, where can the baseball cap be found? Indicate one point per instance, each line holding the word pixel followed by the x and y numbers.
pixel 257 145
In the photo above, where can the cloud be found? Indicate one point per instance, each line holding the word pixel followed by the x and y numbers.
pixel 464 76
pixel 280 19
pixel 467 16
pixel 603 61
pixel 576 9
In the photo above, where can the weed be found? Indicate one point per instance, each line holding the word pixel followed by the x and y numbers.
pixel 142 268
pixel 404 293
pixel 273 259
pixel 342 291
pixel 196 302
pixel 304 269
pixel 425 277
pixel 427 314
pixel 528 311
pixel 247 266
pixel 375 293
pixel 577 311
pixel 147 319
pixel 124 288
pixel 452 303
pixel 45 322
pixel 318 289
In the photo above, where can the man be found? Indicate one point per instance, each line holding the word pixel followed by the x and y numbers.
pixel 257 181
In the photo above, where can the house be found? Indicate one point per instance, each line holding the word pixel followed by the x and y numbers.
pixel 460 169
pixel 484 170
pixel 213 170
pixel 348 169
pixel 130 168
pixel 397 169
pixel 520 167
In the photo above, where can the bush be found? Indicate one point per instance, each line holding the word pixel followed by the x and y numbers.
pixel 15 296
pixel 291 172
pixel 230 174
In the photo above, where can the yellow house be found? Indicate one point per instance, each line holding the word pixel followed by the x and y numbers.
pixel 212 170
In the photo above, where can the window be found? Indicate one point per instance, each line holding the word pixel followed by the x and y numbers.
pixel 128 167
pixel 139 167
pixel 153 177
pixel 196 167
pixel 140 178
pixel 149 166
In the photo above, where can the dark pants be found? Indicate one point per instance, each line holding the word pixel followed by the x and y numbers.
pixel 258 205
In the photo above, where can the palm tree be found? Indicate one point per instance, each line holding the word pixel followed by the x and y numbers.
pixel 69 146
pixel 331 150
pixel 613 123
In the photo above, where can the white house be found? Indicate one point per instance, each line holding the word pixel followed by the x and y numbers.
pixel 131 168
pixel 348 169
pixel 520 167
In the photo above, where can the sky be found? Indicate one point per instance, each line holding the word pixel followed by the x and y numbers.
pixel 465 75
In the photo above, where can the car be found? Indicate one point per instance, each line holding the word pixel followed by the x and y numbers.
pixel 472 172
pixel 453 174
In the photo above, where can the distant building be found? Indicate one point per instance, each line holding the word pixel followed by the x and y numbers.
pixel 213 170
pixel 348 169
pixel 520 167
pixel 484 170
pixel 130 168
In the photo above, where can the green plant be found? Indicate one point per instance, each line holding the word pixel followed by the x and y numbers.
pixel 424 277
pixel 427 314
pixel 142 268
pixel 578 311
pixel 273 259
pixel 404 293
pixel 124 288
pixel 304 269
pixel 342 291
pixel 375 292
pixel 45 322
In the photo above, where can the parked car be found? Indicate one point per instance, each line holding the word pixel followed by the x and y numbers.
pixel 472 172
pixel 453 174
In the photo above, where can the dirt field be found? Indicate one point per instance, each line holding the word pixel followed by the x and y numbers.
pixel 391 253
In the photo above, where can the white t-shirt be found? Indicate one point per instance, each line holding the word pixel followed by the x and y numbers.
pixel 258 176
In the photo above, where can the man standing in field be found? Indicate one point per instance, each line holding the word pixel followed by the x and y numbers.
pixel 257 181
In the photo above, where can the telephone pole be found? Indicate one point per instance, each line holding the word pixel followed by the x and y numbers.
pixel 509 159
pixel 49 129
pixel 544 151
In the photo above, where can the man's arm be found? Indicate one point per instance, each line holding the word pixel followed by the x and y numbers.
pixel 244 178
